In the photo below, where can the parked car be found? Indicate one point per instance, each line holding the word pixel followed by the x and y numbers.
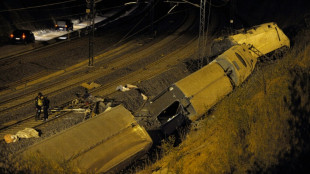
pixel 64 25
pixel 22 36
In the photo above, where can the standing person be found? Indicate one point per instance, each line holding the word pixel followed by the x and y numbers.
pixel 46 105
pixel 39 104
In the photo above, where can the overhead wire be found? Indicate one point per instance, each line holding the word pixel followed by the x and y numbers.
pixel 217 6
pixel 25 8
pixel 125 36
pixel 46 5
pixel 148 26
pixel 134 26
pixel 65 16
pixel 61 8
pixel 46 19
pixel 196 5
pixel 209 14
pixel 109 8
pixel 159 19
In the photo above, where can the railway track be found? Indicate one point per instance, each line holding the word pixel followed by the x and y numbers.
pixel 28 122
pixel 81 77
pixel 108 89
pixel 24 82
pixel 109 64
pixel 23 98
pixel 115 64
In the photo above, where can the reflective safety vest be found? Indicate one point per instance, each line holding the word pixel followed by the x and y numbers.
pixel 40 102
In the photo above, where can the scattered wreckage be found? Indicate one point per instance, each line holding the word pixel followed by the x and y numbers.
pixel 25 133
pixel 113 139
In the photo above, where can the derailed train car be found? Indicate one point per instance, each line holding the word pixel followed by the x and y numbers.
pixel 111 140
pixel 103 144
pixel 263 38
pixel 194 95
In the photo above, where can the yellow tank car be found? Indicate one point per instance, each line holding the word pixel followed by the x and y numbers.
pixel 204 88
pixel 105 143
pixel 194 95
pixel 264 38
pixel 210 84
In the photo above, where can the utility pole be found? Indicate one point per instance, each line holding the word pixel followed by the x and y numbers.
pixel 152 18
pixel 91 16
pixel 202 35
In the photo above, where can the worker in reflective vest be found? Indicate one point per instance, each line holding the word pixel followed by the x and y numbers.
pixel 41 103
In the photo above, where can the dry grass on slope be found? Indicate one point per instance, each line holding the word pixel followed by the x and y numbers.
pixel 256 128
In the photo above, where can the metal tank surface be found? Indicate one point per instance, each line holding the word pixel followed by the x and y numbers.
pixel 195 94
pixel 263 38
pixel 106 143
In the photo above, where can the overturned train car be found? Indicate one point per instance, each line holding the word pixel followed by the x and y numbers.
pixel 104 144
pixel 261 39
pixel 111 140
pixel 194 95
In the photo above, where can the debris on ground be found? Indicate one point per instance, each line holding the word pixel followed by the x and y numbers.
pixel 9 138
pixel 26 133
pixel 131 100
pixel 85 103
pixel 127 87
pixel 91 85
pixel 153 86
pixel 144 97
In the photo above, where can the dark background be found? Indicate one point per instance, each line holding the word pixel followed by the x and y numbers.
pixel 286 13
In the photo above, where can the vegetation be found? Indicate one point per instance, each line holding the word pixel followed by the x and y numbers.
pixel 261 127
pixel 36 164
